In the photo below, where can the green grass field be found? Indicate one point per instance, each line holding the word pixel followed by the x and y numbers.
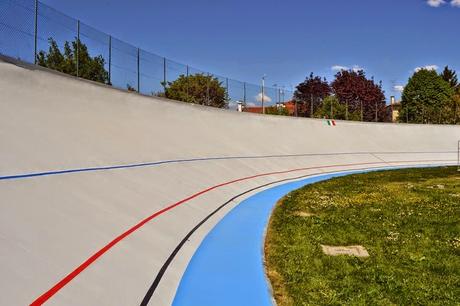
pixel 408 220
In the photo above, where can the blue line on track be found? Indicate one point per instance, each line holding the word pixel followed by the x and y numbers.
pixel 227 268
pixel 157 163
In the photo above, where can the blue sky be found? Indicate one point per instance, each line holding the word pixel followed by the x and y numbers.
pixel 244 39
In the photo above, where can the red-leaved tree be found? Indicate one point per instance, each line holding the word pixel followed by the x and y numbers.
pixel 364 98
pixel 310 93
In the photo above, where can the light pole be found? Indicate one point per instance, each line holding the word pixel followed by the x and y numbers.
pixel 263 93
pixel 278 93
pixel 282 93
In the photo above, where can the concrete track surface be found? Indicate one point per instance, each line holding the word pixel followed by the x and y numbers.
pixel 55 220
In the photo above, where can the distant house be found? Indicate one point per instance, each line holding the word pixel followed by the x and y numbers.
pixel 393 110
pixel 289 106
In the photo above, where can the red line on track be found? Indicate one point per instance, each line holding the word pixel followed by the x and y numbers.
pixel 58 286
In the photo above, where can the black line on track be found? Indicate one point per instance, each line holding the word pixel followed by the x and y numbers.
pixel 168 261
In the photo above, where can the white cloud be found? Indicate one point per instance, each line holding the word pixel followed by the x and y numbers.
pixel 436 3
pixel 427 67
pixel 398 88
pixel 355 68
pixel 339 68
pixel 455 3
pixel 267 99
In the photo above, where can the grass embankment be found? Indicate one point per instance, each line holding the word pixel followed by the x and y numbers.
pixel 408 220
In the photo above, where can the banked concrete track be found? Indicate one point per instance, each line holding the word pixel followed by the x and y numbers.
pixel 99 186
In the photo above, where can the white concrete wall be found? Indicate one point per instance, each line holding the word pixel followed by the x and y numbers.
pixel 51 224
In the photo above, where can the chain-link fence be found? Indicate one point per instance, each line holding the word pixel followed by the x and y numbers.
pixel 29 30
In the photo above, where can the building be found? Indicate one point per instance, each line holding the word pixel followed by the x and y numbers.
pixel 289 106
pixel 393 110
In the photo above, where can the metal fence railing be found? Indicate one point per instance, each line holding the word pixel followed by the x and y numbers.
pixel 26 27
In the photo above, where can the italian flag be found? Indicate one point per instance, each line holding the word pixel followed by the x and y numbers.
pixel 331 122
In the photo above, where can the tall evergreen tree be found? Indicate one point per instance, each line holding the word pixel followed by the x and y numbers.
pixel 427 99
pixel 450 76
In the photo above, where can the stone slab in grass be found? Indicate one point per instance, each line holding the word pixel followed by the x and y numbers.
pixel 304 214
pixel 352 250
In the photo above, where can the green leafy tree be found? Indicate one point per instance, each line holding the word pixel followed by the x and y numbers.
pixel 91 68
pixel 331 108
pixel 456 107
pixel 199 89
pixel 274 110
pixel 427 98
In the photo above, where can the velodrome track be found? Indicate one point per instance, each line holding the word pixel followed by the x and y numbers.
pixel 98 186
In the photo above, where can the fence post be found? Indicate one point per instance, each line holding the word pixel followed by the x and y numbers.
pixel 78 48
pixel 110 59
pixel 332 110
pixel 207 89
pixel 376 113
pixel 164 74
pixel 311 106
pixel 226 88
pixel 188 79
pixel 35 31
pixel 138 71
pixel 346 111
pixel 407 114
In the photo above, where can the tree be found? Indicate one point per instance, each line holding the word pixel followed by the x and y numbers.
pixel 427 98
pixel 450 77
pixel 276 110
pixel 331 108
pixel 199 89
pixel 360 95
pixel 310 93
pixel 456 106
pixel 91 68
pixel 130 88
